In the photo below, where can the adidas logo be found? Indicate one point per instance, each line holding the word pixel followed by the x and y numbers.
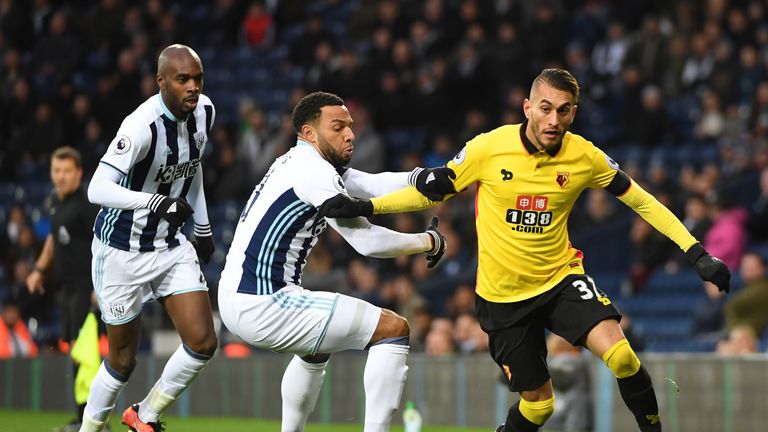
pixel 430 178
pixel 172 208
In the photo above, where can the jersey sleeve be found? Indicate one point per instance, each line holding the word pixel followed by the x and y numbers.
pixel 379 242
pixel 131 144
pixel 315 190
pixel 604 169
pixel 656 214
pixel 466 163
pixel 361 184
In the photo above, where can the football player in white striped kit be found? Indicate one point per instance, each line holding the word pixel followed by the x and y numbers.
pixel 260 295
pixel 149 183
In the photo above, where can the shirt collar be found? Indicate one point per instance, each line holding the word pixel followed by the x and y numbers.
pixel 532 148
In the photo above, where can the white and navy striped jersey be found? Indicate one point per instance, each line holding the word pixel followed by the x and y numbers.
pixel 273 238
pixel 156 154
pixel 277 228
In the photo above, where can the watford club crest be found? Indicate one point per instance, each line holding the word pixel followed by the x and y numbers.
pixel 562 179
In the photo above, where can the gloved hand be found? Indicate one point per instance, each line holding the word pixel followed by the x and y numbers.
pixel 433 183
pixel 343 206
pixel 439 244
pixel 204 247
pixel 709 268
pixel 174 210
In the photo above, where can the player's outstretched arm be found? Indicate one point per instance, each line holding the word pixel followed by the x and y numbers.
pixel 379 242
pixel 710 269
pixel 433 183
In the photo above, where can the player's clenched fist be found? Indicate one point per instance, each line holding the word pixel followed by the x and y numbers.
pixel 709 268
pixel 344 206
pixel 433 183
pixel 174 210
pixel 438 241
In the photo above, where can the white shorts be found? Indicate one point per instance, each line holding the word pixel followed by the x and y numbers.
pixel 125 280
pixel 299 321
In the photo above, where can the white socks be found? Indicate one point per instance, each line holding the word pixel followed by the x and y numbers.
pixel 300 388
pixel 104 391
pixel 181 369
pixel 384 379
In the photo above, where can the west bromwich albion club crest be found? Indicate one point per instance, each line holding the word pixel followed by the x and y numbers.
pixel 199 138
pixel 562 178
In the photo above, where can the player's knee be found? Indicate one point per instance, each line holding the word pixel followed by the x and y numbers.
pixel 121 362
pixel 205 346
pixel 539 411
pixel 401 327
pixel 392 325
pixel 621 359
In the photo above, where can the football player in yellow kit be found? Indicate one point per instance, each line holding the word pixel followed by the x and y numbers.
pixel 529 277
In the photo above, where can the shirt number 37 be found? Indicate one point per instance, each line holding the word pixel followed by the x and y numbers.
pixel 590 291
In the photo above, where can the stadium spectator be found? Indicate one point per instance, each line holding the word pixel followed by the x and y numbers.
pixel 608 53
pixel 370 152
pixel 439 340
pixel 254 131
pixel 598 209
pixel 510 299
pixel 15 340
pixel 303 47
pixel 257 25
pixel 468 336
pixel 227 179
pixel 750 305
pixel 741 340
pixel 55 55
pixel 66 254
pixel 708 320
pixel 650 250
pixel 647 50
pixel 727 237
pixel 142 184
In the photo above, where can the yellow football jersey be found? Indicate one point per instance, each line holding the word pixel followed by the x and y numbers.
pixel 524 197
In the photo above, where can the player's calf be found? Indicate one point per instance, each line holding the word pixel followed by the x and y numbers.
pixel 635 385
pixel 385 370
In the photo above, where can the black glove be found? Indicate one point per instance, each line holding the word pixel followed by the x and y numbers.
pixel 343 206
pixel 175 210
pixel 440 243
pixel 204 247
pixel 433 183
pixel 709 268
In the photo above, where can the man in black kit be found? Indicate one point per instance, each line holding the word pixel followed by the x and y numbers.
pixel 67 250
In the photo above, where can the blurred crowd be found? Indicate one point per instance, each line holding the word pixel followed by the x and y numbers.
pixel 676 91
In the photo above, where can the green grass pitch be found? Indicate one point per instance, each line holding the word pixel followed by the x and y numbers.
pixel 30 421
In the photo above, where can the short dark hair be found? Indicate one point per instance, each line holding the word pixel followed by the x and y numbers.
pixel 67 152
pixel 308 108
pixel 560 79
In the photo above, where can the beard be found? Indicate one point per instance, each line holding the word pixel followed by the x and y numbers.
pixel 539 134
pixel 337 159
